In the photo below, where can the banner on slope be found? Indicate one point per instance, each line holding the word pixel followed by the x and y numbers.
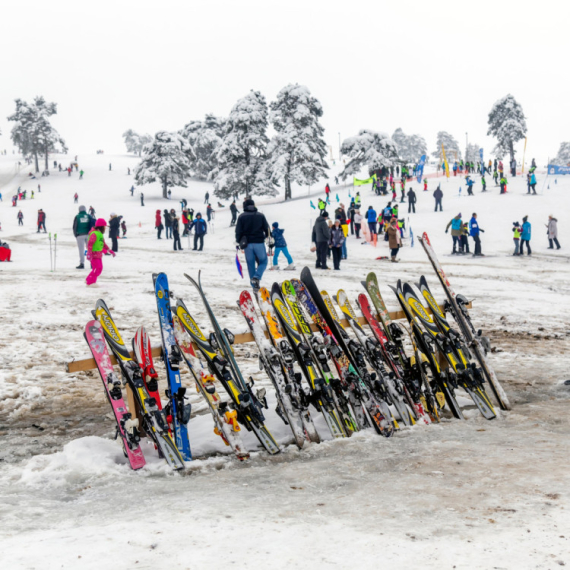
pixel 555 169
pixel 445 160
pixel 420 169
pixel 357 182
pixel 482 169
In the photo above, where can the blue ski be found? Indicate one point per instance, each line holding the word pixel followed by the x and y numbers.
pixel 178 409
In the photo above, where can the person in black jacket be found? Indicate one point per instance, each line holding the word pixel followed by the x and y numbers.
pixel 168 224
pixel 438 195
pixel 114 230
pixel 235 212
pixel 176 231
pixel 321 237
pixel 251 231
pixel 411 201
pixel 351 212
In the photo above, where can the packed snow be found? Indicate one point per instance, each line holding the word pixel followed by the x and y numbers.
pixel 473 494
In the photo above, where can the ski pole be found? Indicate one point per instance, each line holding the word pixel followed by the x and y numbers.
pixel 54 250
pixel 50 254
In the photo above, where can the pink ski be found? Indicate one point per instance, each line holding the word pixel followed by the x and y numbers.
pixel 127 427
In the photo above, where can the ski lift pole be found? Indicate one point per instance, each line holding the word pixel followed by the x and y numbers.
pixel 54 250
pixel 50 254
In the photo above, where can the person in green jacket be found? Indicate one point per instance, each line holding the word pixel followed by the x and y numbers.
pixel 82 224
pixel 96 248
pixel 503 184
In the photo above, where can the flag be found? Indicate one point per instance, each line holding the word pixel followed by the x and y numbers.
pixel 312 205
pixel 445 161
pixel 420 169
pixel 240 271
pixel 357 182
pixel 412 237
pixel 481 158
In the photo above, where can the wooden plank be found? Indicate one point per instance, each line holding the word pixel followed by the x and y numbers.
pixel 89 363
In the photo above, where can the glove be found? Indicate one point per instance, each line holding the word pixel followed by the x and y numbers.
pixel 445 231
pixel 481 230
pixel 113 253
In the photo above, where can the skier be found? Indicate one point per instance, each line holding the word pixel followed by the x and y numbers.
pixel 474 230
pixel 456 225
pixel 469 183
pixel 185 222
pixel 411 201
pixel 142 199
pixel 516 237
pixel 503 184
pixel 252 230
pixel 322 205
pixel 124 229
pixel 128 171
pixel 158 224
pixel 357 223
pixel 114 229
pixel 386 217
pixel 533 182
pixel 464 238
pixel 81 174
pixel 206 198
pixel 403 190
pixel 336 180
pixel 525 236
pixel 41 221
pixel 82 224
pixel 200 228
pixel 235 212
pixel 75 198
pixel 32 196
pixel 552 232
pixel 169 193
pixel 394 240
pixel 132 190
pixel 425 185
pixel 110 166
pixel 96 247
pixel 327 192
pixel 335 243
pixel 350 213
pixel 168 224
pixel 176 231
pixel 484 184
pixel 340 214
pixel 371 219
pixel 280 247
pixel 21 218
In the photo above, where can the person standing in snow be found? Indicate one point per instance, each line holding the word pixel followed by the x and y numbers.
pixel 110 166
pixel 200 230
pixel 252 230
pixel 394 240
pixel 517 237
pixel 456 226
pixel 176 231
pixel 321 237
pixel 142 199
pixel 75 198
pixel 81 173
pixel 41 221
pixel 114 230
pixel 335 243
pixel 552 232
pixel 340 214
pixel 132 190
pixel 525 236
pixel 351 211
pixel 371 219
pixel 411 201
pixel 438 195
pixel 206 197
pixel 209 212
pixel 280 247
pixel 357 223
pixel 96 248
pixel 124 229
pixel 533 182
pixel 82 224
pixel 21 218
pixel 235 212
pixel 158 224
pixel 474 230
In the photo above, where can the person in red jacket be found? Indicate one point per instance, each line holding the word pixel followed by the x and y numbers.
pixel 158 224
pixel 41 221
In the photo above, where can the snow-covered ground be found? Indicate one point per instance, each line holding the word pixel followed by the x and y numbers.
pixel 472 494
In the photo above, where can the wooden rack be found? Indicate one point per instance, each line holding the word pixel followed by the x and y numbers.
pixel 89 363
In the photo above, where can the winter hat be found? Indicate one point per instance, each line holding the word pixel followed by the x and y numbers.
pixel 198 214
pixel 275 225
pixel 248 202
pixel 113 215
pixel 325 214
pixel 82 209
pixel 459 215
pixel 525 218
pixel 101 223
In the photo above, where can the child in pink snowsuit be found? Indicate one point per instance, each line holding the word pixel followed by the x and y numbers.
pixel 96 247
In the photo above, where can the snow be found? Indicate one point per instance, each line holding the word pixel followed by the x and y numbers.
pixel 457 494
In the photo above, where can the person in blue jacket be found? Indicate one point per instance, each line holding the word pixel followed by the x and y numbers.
pixel 474 230
pixel 371 219
pixel 525 236
pixel 469 183
pixel 200 230
pixel 280 247
pixel 456 227
pixel 533 183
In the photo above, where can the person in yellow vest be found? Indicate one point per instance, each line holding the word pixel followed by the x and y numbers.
pixel 517 237
pixel 96 248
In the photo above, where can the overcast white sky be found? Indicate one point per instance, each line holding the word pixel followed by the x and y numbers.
pixel 422 66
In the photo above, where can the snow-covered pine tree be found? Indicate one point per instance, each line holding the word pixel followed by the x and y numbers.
pixel 368 148
pixel 165 159
pixel 472 152
pixel 410 147
pixel 452 150
pixel 135 142
pixel 507 123
pixel 563 156
pixel 241 155
pixel 204 137
pixel 33 134
pixel 297 151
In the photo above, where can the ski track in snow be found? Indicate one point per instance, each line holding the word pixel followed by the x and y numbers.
pixel 474 494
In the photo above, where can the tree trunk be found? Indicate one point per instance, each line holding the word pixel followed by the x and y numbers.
pixel 512 153
pixel 47 164
pixel 287 188
pixel 36 161
pixel 165 187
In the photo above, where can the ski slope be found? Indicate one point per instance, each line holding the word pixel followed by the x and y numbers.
pixel 459 494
